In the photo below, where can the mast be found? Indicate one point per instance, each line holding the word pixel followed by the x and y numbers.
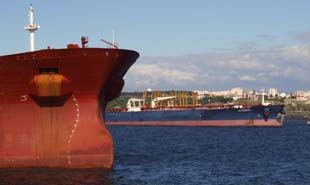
pixel 32 27
pixel 113 41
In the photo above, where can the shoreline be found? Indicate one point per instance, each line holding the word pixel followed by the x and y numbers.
pixel 297 115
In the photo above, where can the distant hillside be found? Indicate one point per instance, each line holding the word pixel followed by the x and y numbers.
pixel 121 101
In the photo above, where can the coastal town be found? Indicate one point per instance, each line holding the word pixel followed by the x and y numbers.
pixel 239 94
pixel 272 94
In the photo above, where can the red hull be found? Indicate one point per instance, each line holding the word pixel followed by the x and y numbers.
pixel 219 123
pixel 50 106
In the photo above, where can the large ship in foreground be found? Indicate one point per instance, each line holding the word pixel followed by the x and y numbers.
pixel 136 114
pixel 51 102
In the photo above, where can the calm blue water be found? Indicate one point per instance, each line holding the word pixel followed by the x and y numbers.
pixel 192 155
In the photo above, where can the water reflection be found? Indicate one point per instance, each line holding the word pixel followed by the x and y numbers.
pixel 38 176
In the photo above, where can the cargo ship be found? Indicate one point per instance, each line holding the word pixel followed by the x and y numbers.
pixel 51 102
pixel 137 114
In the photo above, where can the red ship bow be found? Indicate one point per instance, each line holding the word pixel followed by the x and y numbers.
pixel 51 102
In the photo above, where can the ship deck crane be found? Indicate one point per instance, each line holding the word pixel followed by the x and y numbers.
pixel 156 100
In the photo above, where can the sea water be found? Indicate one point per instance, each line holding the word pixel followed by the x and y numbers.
pixel 192 155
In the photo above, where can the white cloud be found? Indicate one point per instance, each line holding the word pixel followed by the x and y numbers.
pixel 157 72
pixel 247 78
pixel 279 66
pixel 298 51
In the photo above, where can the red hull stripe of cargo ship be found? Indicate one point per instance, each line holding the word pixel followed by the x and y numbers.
pixel 219 123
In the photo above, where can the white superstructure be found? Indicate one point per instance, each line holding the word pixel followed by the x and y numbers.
pixel 134 104
pixel 32 27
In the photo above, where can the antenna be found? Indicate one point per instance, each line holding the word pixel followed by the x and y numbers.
pixel 113 41
pixel 31 27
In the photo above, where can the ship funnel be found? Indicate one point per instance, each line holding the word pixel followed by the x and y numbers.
pixel 32 27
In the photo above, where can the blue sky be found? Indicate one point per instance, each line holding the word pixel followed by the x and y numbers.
pixel 175 34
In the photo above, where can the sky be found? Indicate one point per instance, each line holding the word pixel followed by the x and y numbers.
pixel 183 45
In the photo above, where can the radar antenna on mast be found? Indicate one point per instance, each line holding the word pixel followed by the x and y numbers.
pixel 32 27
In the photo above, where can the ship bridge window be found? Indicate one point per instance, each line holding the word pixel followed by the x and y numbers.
pixel 48 70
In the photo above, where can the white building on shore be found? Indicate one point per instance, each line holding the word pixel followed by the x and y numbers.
pixel 273 92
